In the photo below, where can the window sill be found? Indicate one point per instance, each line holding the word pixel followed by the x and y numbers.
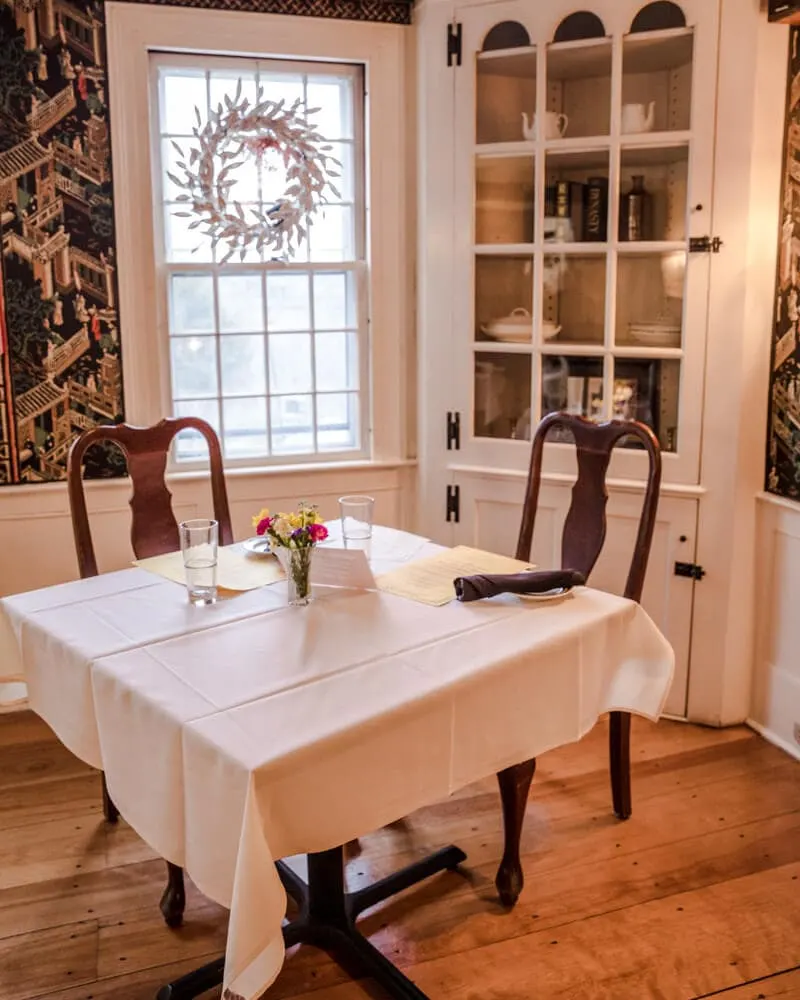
pixel 240 472
pixel 304 468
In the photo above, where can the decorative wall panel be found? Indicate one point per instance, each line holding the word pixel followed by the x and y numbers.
pixel 61 368
pixel 783 445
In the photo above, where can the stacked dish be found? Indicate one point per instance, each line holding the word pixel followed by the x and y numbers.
pixel 655 334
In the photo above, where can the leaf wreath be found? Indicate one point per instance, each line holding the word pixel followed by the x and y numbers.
pixel 234 131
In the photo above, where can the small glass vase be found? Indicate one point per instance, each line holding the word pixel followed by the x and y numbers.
pixel 297 565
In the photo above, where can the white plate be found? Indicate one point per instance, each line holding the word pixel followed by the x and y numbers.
pixel 549 595
pixel 257 546
pixel 519 335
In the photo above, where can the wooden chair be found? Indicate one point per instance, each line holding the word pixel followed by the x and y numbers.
pixel 154 531
pixel 581 543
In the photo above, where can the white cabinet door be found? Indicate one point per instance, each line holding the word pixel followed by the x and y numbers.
pixel 490 513
pixel 582 170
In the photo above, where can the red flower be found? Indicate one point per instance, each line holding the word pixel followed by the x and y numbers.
pixel 318 532
pixel 263 525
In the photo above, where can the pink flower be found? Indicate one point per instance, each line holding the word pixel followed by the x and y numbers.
pixel 263 525
pixel 318 532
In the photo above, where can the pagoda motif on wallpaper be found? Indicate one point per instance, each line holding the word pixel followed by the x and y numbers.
pixel 783 457
pixel 59 330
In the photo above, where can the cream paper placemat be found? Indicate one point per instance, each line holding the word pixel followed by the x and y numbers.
pixel 236 570
pixel 430 581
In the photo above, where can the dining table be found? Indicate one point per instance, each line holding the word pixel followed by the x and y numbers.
pixel 248 731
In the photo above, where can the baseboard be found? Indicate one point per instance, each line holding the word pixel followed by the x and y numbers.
pixel 792 749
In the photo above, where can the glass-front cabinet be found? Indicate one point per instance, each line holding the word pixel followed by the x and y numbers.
pixel 583 159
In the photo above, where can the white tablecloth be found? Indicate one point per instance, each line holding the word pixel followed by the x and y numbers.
pixel 249 731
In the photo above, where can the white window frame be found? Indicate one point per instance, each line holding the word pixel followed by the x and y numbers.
pixel 132 35
pixel 358 268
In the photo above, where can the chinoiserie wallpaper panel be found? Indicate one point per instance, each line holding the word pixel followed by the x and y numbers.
pixel 60 362
pixel 61 365
pixel 783 444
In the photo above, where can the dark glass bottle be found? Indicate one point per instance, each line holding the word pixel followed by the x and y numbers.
pixel 634 212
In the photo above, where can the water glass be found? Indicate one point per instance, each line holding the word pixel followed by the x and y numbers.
pixel 356 513
pixel 199 539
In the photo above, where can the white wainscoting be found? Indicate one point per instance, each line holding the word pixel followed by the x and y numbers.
pixel 37 549
pixel 775 705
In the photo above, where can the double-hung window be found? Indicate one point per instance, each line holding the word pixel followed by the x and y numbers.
pixel 272 352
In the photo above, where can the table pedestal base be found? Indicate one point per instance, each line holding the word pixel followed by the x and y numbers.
pixel 327 920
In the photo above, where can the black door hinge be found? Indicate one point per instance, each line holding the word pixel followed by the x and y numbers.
pixel 454 44
pixel 692 570
pixel 704 244
pixel 453 431
pixel 453 507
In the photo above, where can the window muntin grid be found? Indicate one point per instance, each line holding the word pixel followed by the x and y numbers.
pixel 272 353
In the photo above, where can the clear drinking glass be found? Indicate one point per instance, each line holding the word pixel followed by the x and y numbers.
pixel 199 539
pixel 356 513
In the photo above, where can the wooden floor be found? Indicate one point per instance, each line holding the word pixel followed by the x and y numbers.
pixel 697 895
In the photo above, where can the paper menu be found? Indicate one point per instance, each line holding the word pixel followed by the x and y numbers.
pixel 430 581
pixel 332 567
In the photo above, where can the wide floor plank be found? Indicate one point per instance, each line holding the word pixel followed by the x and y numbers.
pixel 697 895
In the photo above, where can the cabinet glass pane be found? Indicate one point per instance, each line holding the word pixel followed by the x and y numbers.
pixel 650 299
pixel 657 81
pixel 505 93
pixel 648 390
pixel 574 298
pixel 572 384
pixel 502 395
pixel 578 89
pixel 504 196
pixel 653 194
pixel 503 298
pixel 576 197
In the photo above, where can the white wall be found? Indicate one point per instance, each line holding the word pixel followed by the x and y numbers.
pixel 750 112
pixel 775 706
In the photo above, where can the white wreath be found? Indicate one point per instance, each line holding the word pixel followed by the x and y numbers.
pixel 235 131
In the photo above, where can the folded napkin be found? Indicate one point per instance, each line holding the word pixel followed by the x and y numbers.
pixel 474 588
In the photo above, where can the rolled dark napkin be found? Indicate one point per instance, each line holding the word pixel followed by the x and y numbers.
pixel 474 588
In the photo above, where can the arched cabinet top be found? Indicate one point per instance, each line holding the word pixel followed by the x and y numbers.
pixel 579 26
pixel 660 15
pixel 506 35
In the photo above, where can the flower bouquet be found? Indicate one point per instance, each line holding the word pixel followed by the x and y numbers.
pixel 293 538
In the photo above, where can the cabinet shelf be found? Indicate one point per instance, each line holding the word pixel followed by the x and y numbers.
pixel 584 144
pixel 498 149
pixel 633 247
pixel 655 51
pixel 571 349
pixel 640 351
pixel 504 249
pixel 508 62
pixel 576 247
pixel 498 347
pixel 579 60
pixel 665 144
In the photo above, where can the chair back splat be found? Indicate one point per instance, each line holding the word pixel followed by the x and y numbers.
pixel 585 523
pixel 154 529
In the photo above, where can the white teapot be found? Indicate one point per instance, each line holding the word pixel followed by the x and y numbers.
pixel 638 117
pixel 555 125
